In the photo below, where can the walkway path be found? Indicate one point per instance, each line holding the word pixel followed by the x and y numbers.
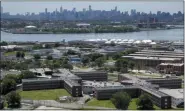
pixel 53 103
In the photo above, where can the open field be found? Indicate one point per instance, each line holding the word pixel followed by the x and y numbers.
pixel 10 53
pixel 13 53
pixel 52 94
pixel 133 106
pixel 100 103
pixel 108 104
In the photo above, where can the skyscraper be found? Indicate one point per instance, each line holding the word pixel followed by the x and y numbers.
pixel 90 8
pixel 116 8
pixel 1 9
pixel 74 9
pixel 46 10
pixel 61 9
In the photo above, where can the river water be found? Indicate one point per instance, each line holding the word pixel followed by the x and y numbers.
pixel 172 35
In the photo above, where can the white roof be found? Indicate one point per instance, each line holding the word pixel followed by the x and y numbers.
pixel 153 43
pixel 30 26
pixel 100 84
pixel 175 93
pixel 9 46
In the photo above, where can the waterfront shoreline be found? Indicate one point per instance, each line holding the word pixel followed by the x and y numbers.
pixel 141 29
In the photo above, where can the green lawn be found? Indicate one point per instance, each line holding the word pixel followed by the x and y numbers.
pixel 13 53
pixel 146 75
pixel 133 106
pixel 10 53
pixel 100 103
pixel 108 104
pixel 52 94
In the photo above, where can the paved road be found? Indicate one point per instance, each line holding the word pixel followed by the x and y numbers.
pixel 52 103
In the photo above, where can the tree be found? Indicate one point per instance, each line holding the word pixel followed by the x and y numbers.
pixel 18 54
pixel 8 85
pixel 22 54
pixel 94 56
pixel 57 44
pixel 3 43
pixel 100 61
pixel 13 99
pixel 14 77
pixel 37 56
pixel 27 74
pixel 67 66
pixel 49 57
pixel 144 103
pixel 131 65
pixel 71 52
pixel 85 60
pixel 121 100
pixel 117 56
pixel 121 65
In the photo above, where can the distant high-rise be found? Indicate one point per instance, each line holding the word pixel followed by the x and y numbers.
pixel 61 9
pixel 74 9
pixel 1 9
pixel 116 8
pixel 84 10
pixel 90 8
pixel 133 12
pixel 46 10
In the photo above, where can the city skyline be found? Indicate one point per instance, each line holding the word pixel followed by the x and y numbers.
pixel 13 7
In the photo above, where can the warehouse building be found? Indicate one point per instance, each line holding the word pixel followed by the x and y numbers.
pixel 163 82
pixel 151 58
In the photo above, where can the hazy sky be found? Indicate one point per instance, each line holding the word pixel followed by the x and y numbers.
pixel 22 7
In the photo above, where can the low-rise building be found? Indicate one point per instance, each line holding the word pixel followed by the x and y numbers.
pixel 177 98
pixel 171 68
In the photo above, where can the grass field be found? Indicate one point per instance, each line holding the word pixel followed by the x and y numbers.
pixel 13 53
pixel 100 103
pixel 10 53
pixel 52 94
pixel 133 106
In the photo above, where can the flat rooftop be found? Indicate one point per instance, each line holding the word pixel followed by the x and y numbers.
pixel 157 55
pixel 175 93
pixel 174 64
pixel 151 58
pixel 90 70
pixel 40 79
pixel 64 73
pixel 71 83
pixel 161 51
pixel 116 87
pixel 100 84
pixel 83 70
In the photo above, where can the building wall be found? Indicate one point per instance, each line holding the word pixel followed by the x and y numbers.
pixel 75 91
pixel 167 83
pixel 170 69
pixel 39 85
pixel 163 102
pixel 107 94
